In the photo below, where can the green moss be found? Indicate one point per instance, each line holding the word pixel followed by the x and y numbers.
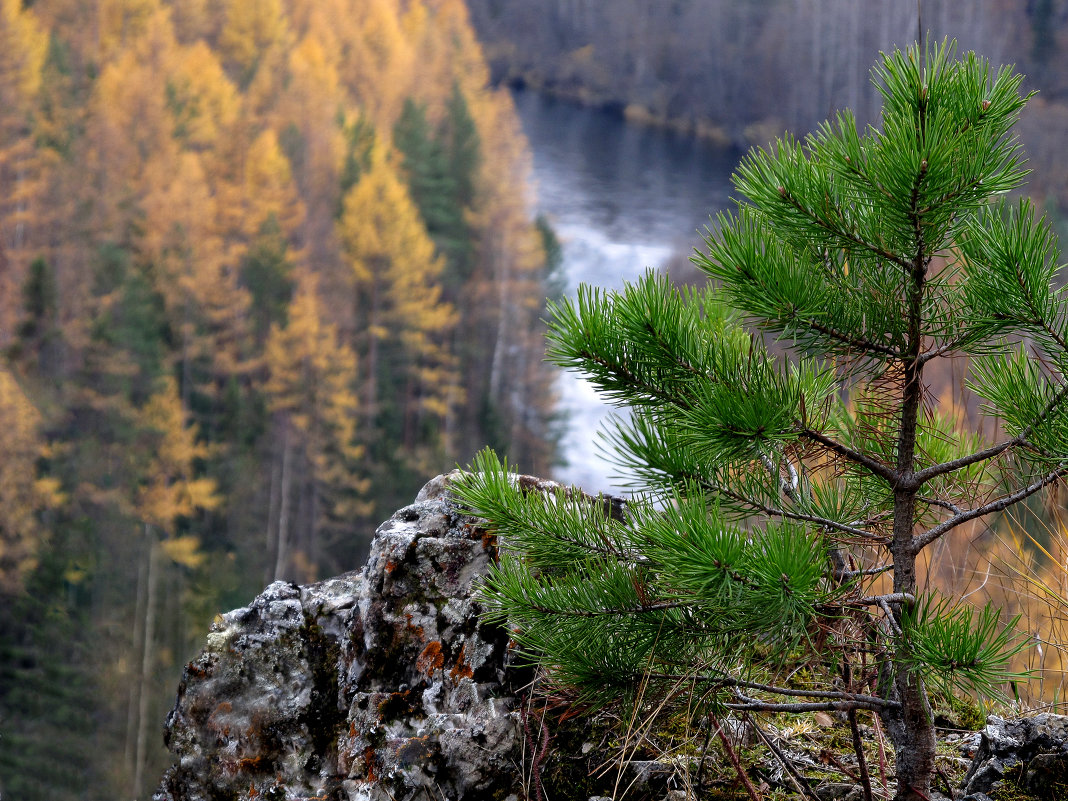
pixel 969 713
pixel 958 713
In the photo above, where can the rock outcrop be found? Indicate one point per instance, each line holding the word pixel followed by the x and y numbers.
pixel 385 685
pixel 1025 758
pixel 374 685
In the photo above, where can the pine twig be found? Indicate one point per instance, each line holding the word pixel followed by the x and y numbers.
pixel 799 780
pixel 881 739
pixel 858 746
pixel 733 757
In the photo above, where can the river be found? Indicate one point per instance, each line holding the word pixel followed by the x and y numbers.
pixel 622 198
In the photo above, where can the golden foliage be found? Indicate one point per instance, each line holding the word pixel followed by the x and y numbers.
pixel 23 45
pixel 23 495
pixel 252 28
pixel 171 489
pixel 395 268
pixel 311 390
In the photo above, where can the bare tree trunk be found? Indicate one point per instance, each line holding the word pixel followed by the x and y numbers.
pixel 503 320
pixel 273 505
pixel 134 694
pixel 147 660
pixel 282 555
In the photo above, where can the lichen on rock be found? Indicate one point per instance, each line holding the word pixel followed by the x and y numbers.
pixel 369 686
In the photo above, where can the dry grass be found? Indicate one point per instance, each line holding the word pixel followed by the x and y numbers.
pixel 1023 570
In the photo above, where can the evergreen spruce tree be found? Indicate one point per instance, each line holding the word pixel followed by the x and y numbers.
pixel 770 565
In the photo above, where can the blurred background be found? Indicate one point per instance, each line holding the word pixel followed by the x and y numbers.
pixel 267 266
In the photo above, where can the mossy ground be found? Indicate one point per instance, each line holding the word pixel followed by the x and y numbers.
pixel 585 750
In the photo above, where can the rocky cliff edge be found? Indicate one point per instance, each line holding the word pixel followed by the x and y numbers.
pixel 373 685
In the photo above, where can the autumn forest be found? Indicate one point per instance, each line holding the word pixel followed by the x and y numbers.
pixel 265 267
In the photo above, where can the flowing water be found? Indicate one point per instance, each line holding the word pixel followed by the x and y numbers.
pixel 622 198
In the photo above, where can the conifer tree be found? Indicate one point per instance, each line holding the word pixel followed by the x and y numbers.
pixel 409 379
pixel 24 495
pixel 23 46
pixel 770 565
pixel 311 391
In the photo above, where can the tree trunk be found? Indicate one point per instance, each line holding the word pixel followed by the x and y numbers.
pixel 273 505
pixel 147 660
pixel 911 728
pixel 282 555
pixel 134 694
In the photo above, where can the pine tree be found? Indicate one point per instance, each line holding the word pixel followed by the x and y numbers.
pixel 24 495
pixel 316 480
pixel 781 490
pixel 441 168
pixel 23 46
pixel 410 383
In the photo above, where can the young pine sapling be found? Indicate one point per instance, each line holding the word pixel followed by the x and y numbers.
pixel 787 494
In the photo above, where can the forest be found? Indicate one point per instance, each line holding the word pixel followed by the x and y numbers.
pixel 266 266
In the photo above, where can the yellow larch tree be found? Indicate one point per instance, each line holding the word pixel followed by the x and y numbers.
pixel 170 491
pixel 378 68
pixel 128 122
pixel 262 213
pixel 316 481
pixel 269 190
pixel 307 114
pixel 121 23
pixel 446 52
pixel 197 277
pixel 252 29
pixel 23 44
pixel 160 113
pixel 203 102
pixel 24 495
pixel 403 323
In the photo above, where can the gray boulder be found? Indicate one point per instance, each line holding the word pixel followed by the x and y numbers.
pixel 374 685
pixel 1029 754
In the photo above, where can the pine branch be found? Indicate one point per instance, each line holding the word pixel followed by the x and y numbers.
pixel 873 571
pixel 774 511
pixel 952 507
pixel 861 343
pixel 1039 319
pixel 618 611
pixel 850 238
pixel 920 541
pixel 941 350
pixel 891 476
pixel 921 477
pixel 876 600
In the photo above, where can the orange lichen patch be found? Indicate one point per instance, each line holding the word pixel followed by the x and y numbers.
pixel 371 763
pixel 390 566
pixel 252 791
pixel 252 763
pixel 489 540
pixel 417 629
pixel 430 659
pixel 461 670
pixel 217 722
pixel 352 729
